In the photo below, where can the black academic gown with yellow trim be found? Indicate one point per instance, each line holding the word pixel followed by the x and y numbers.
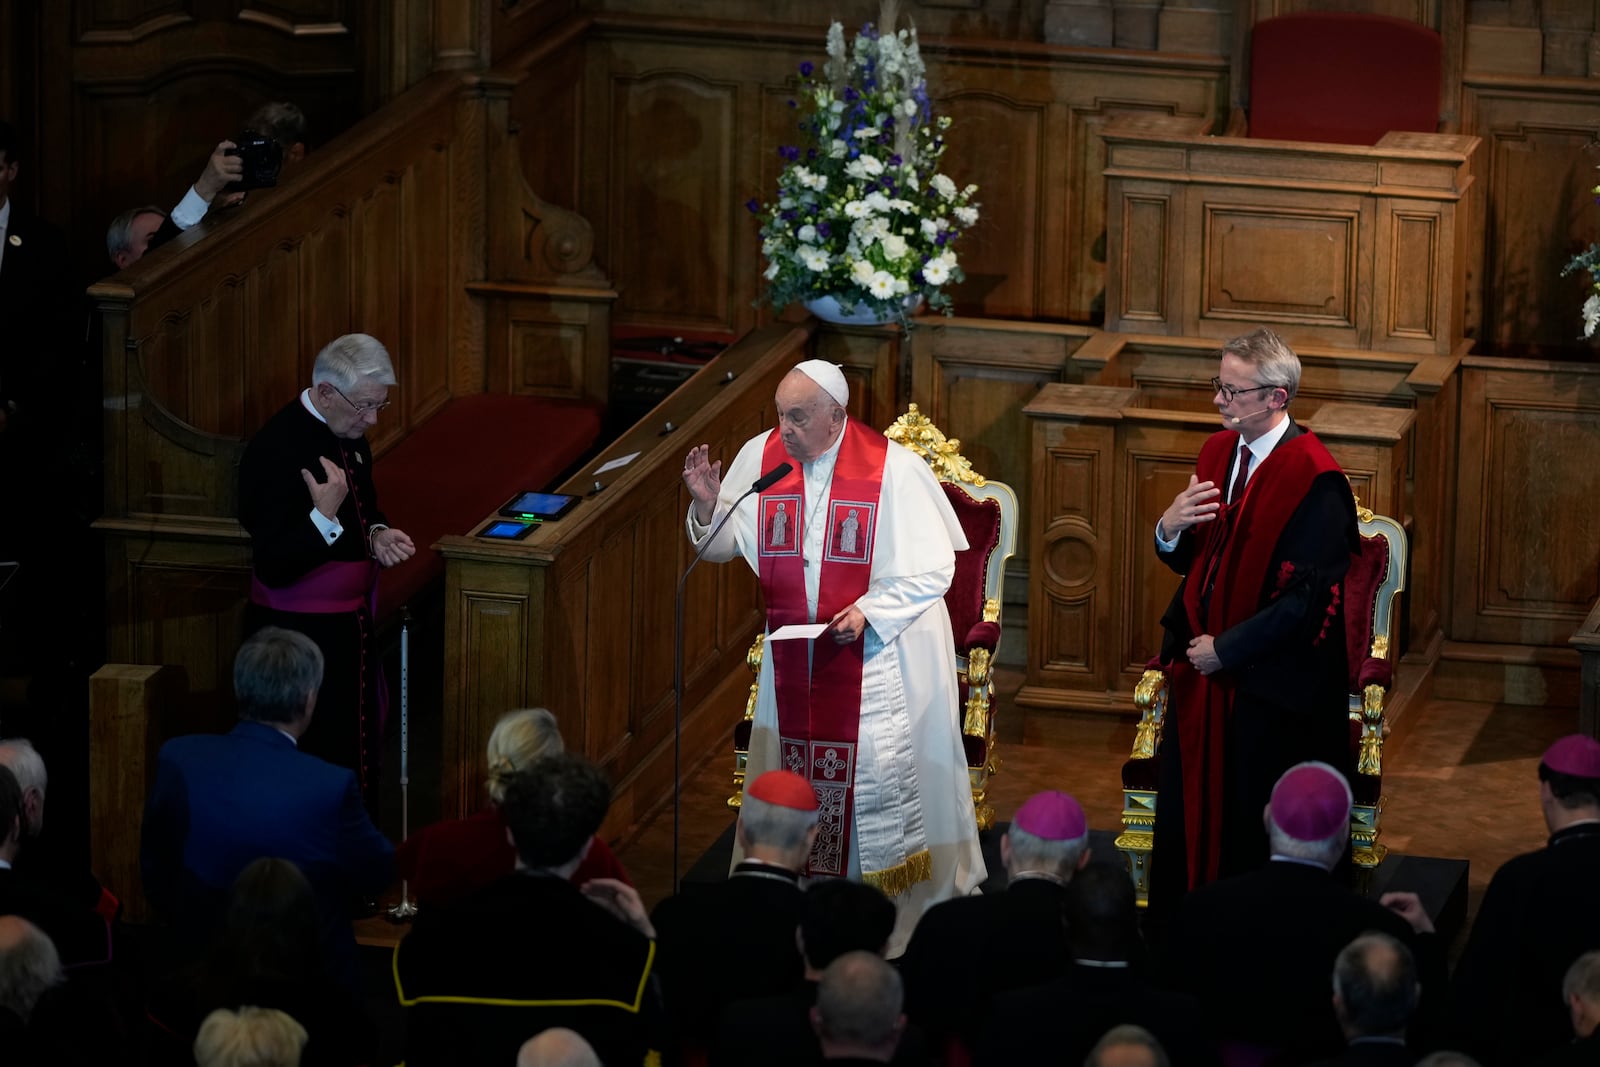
pixel 275 507
pixel 479 977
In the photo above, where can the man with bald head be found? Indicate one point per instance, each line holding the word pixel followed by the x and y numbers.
pixel 557 1047
pixel 856 535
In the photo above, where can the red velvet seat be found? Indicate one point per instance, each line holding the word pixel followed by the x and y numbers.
pixel 467 460
pixel 1371 589
pixel 1343 77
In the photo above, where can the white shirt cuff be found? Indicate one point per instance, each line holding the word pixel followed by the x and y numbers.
pixel 190 210
pixel 1164 545
pixel 329 528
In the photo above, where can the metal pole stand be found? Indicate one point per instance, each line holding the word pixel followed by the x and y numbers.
pixel 404 911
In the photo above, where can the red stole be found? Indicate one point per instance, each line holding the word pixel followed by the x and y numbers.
pixel 817 684
pixel 1233 560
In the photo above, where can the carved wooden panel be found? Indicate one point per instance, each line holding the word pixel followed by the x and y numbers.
pixel 1539 170
pixel 673 136
pixel 1527 569
pixel 1158 464
pixel 992 135
pixel 1248 248
pixel 1146 219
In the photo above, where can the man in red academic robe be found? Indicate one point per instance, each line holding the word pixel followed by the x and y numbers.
pixel 1254 643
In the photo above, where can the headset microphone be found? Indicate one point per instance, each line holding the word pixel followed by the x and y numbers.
pixel 1237 419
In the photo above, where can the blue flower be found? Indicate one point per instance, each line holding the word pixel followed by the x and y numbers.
pixel 793 104
pixel 753 206
pixel 806 68
pixel 791 215
pixel 824 229
pixel 789 152
pixel 850 93
pixel 895 160
pixel 811 153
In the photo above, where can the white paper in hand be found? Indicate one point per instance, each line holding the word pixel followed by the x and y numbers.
pixel 798 632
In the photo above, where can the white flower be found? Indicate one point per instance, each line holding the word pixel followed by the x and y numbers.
pixel 837 149
pixel 772 270
pixel 814 258
pixel 969 190
pixel 894 247
pixel 935 272
pixel 966 215
pixel 861 271
pixel 864 167
pixel 786 203
pixel 881 284
pixel 807 233
pixel 930 229
pixel 878 202
pixel 855 209
pixel 943 186
pixel 901 287
pixel 948 259
pixel 909 107
pixel 1591 314
pixel 770 245
pixel 901 205
pixel 837 107
pixel 867 133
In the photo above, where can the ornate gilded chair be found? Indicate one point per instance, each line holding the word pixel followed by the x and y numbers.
pixel 987 512
pixel 1372 601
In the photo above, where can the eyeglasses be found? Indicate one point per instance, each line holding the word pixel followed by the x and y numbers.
pixel 361 409
pixel 1230 392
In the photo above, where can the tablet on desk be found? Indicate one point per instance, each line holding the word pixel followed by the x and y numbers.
pixel 507 530
pixel 540 506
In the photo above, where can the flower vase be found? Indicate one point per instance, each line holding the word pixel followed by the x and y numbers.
pixel 827 309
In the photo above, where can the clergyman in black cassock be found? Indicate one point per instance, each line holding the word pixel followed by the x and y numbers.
pixel 319 540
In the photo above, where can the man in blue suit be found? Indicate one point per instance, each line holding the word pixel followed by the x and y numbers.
pixel 222 802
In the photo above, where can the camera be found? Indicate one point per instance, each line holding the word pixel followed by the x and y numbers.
pixel 262 158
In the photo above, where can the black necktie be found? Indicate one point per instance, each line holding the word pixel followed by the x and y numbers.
pixel 1241 475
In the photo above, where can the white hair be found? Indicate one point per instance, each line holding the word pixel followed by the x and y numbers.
pixel 24 760
pixel 346 361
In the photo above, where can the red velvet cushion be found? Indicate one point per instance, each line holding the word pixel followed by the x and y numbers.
pixel 1361 584
pixel 984 635
pixel 1343 77
pixel 449 474
pixel 980 521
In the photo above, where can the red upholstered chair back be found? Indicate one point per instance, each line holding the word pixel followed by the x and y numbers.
pixel 1344 77
pixel 1361 584
pixel 980 521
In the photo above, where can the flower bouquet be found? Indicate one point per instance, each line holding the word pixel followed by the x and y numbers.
pixel 863 214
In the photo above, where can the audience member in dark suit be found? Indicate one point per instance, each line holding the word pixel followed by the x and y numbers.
pixel 1106 984
pixel 1127 1046
pixel 222 802
pixel 1581 987
pixel 79 935
pixel 446 861
pixel 36 300
pixel 267 953
pixel 857 1016
pixel 1537 916
pixel 837 917
pixel 45 1018
pixel 967 949
pixel 250 1036
pixel 1375 992
pixel 1258 948
pixel 557 1047
pixel 533 950
pixel 141 229
pixel 745 925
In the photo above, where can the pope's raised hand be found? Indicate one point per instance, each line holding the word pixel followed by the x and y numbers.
pixel 703 480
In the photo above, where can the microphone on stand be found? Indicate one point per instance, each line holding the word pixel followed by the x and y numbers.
pixel 782 470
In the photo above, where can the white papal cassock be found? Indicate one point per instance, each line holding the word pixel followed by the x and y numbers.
pixel 911 788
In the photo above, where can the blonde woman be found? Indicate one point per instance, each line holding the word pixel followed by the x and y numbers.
pixel 449 859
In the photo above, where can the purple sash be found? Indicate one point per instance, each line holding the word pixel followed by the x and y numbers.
pixel 331 589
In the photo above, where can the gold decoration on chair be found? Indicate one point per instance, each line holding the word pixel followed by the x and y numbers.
pixel 741 757
pixel 918 433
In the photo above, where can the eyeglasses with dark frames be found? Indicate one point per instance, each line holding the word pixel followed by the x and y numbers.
pixel 1231 392
pixel 361 409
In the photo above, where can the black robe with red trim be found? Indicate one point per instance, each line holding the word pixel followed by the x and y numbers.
pixel 1275 609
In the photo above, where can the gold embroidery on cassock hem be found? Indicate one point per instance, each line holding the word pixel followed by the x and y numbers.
pixel 901 877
